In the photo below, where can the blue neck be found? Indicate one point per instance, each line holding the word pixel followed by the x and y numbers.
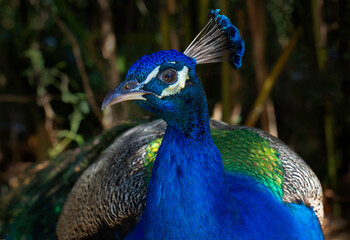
pixel 190 196
pixel 192 119
pixel 187 187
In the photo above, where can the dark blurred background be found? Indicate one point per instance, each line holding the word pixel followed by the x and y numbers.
pixel 59 57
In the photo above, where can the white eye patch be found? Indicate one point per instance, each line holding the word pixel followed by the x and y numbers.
pixel 173 88
pixel 178 85
pixel 152 75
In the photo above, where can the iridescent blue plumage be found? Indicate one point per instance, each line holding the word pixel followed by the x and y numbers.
pixel 142 67
pixel 190 194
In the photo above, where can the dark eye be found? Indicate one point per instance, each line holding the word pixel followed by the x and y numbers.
pixel 169 76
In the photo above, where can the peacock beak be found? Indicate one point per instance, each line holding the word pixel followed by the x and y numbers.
pixel 114 97
pixel 127 90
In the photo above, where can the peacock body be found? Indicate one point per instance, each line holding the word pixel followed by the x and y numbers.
pixel 191 178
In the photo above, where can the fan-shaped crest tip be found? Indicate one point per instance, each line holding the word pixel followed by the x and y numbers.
pixel 218 41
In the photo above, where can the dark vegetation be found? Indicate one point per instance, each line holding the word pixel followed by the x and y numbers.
pixel 59 58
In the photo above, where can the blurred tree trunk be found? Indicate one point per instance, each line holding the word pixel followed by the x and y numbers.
pixel 343 126
pixel 109 53
pixel 164 25
pixel 320 43
pixel 203 12
pixel 186 33
pixel 170 39
pixel 174 38
pixel 343 65
pixel 320 32
pixel 256 14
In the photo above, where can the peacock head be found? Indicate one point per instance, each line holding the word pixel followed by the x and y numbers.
pixel 166 83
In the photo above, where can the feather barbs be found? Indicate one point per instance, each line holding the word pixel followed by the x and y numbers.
pixel 218 41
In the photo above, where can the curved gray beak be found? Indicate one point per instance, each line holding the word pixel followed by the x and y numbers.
pixel 116 96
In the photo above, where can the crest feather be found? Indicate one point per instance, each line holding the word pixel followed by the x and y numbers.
pixel 218 41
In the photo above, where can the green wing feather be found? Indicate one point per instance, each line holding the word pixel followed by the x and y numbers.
pixel 243 151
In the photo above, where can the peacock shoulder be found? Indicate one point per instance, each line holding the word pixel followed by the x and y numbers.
pixel 111 193
pixel 253 152
pixel 300 183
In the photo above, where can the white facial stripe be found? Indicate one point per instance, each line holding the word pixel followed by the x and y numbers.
pixel 178 85
pixel 152 75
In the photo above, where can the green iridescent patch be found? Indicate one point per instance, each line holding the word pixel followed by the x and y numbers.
pixel 151 153
pixel 243 151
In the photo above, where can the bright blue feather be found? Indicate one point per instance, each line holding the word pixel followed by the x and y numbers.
pixel 142 67
pixel 189 195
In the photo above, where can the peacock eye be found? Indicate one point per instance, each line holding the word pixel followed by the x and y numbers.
pixel 169 76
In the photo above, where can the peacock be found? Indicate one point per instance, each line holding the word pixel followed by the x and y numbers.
pixel 186 176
